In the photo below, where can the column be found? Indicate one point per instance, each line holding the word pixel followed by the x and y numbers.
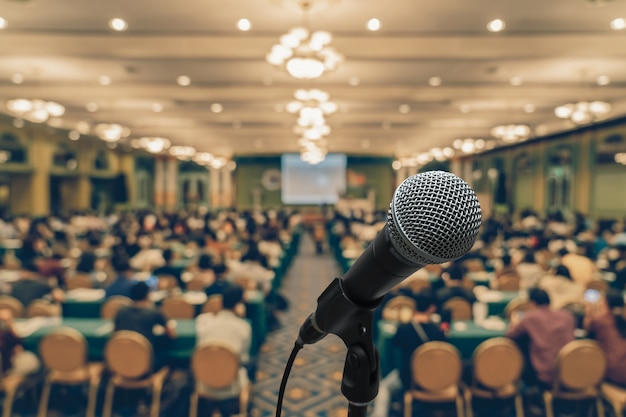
pixel 159 182
pixel 127 167
pixel 456 168
pixel 215 187
pixel 227 187
pixel 401 175
pixel 34 197
pixel 171 183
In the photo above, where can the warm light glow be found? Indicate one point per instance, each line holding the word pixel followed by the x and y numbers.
pixel 183 80
pixel 496 25
pixel 404 108
pixel 511 133
pixel 104 80
pixel 373 24
pixel 3 23
pixel 36 111
pixel 217 108
pixel 603 80
pixel 92 107
pixel 74 135
pixel 583 112
pixel 354 81
pixel 154 144
pixel 516 81
pixel 244 25
pixel 17 78
pixel 434 81
pixel 618 24
pixel 184 153
pixel 118 24
pixel 157 107
pixel 529 108
pixel 111 132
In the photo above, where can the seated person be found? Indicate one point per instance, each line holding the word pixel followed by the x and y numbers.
pixel 561 288
pixel 541 334
pixel 221 283
pixel 604 320
pixel 32 286
pixel 15 360
pixel 507 270
pixel 125 280
pixel 453 278
pixel 408 337
pixel 169 269
pixel 142 317
pixel 226 328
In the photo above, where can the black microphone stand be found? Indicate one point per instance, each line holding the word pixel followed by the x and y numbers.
pixel 353 324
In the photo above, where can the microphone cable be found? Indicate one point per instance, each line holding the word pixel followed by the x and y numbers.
pixel 283 383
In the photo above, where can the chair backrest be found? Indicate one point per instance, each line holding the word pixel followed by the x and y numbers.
pixel 43 308
pixel 581 364
pixel 598 284
pixel 497 363
pixel 213 304
pixel 435 366
pixel 64 350
pixel 177 307
pixel 196 284
pixel 416 285
pixel 13 304
pixel 399 308
pixel 517 305
pixel 460 308
pixel 112 305
pixel 79 281
pixel 129 355
pixel 167 282
pixel 215 366
pixel 509 282
pixel 474 265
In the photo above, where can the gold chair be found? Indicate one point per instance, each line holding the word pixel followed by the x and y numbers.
pixel 43 308
pixel 580 368
pixel 400 308
pixel 167 282
pixel 436 377
pixel 11 303
pixel 112 305
pixel 216 366
pixel 129 358
pixel 518 305
pixel 79 281
pixel 616 396
pixel 64 355
pixel 460 308
pixel 177 307
pixel 213 304
pixel 508 282
pixel 497 368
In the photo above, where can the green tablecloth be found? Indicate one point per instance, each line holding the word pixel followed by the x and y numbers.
pixel 465 340
pixel 497 307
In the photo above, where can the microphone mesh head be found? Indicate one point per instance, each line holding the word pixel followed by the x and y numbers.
pixel 434 217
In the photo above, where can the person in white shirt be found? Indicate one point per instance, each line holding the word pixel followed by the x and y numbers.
pixel 225 327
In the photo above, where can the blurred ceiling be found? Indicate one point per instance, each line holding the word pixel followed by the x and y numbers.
pixel 553 51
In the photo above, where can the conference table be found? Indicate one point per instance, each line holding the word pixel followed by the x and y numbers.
pixel 87 303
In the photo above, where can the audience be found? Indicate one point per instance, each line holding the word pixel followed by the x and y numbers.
pixel 169 269
pixel 453 278
pixel 563 291
pixel 15 360
pixel 125 280
pixel 32 286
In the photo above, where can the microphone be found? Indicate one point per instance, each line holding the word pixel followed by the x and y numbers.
pixel 434 217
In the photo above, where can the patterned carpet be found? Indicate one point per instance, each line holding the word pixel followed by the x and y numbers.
pixel 314 385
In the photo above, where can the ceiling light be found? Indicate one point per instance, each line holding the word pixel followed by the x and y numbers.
pixel 217 108
pixel 244 25
pixel 305 56
pixel 434 81
pixel 616 24
pixel 396 165
pixel 603 80
pixel 620 158
pixel 118 24
pixel 203 158
pixel 516 81
pixel 583 112
pixel 74 135
pixel 157 107
pixel 17 78
pixel 92 107
pixel 529 108
pixel 184 153
pixel 218 163
pixel 496 25
pixel 83 127
pixel 183 80
pixel 511 133
pixel 154 144
pixel 354 81
pixel 373 24
pixel 36 111
pixel 104 80
pixel 3 23
pixel 467 145
pixel 404 108
pixel 465 108
pixel 111 132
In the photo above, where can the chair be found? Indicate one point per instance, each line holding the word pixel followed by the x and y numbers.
pixel 460 308
pixel 580 368
pixel 399 308
pixel 616 396
pixel 167 282
pixel 196 284
pixel 129 358
pixel 436 376
pixel 508 282
pixel 213 304
pixel 112 305
pixel 43 308
pixel 497 368
pixel 598 284
pixel 177 307
pixel 79 281
pixel 64 355
pixel 13 304
pixel 216 366
pixel 518 305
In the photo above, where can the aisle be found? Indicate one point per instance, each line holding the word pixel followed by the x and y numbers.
pixel 314 386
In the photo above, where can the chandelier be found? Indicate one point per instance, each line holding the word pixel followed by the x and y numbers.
pixel 511 133
pixel 154 144
pixel 111 132
pixel 469 145
pixel 36 111
pixel 312 152
pixel 305 55
pixel 582 112
pixel 184 153
pixel 311 99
